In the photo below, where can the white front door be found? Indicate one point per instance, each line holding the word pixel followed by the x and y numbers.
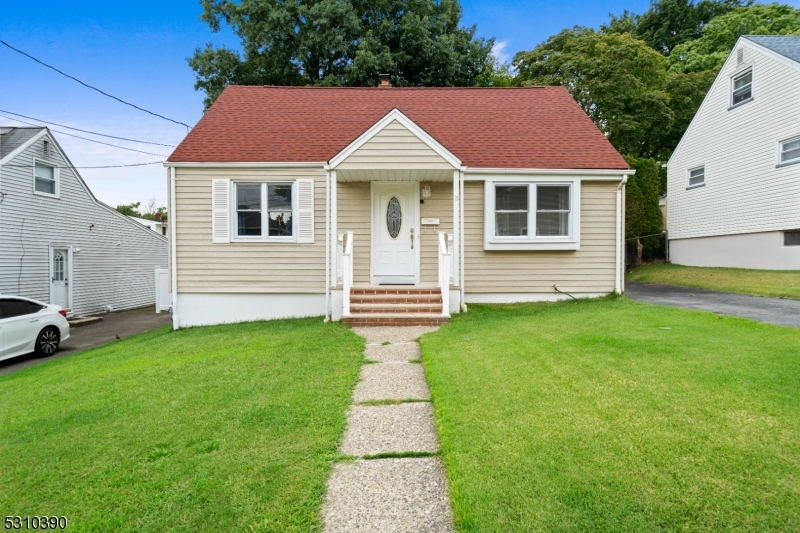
pixel 395 233
pixel 59 277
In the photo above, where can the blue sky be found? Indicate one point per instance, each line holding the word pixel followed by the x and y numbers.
pixel 137 51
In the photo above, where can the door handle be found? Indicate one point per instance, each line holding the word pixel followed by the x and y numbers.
pixel 412 238
pixel 32 320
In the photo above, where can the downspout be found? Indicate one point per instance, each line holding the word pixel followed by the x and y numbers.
pixel 619 249
pixel 327 245
pixel 461 236
pixel 174 248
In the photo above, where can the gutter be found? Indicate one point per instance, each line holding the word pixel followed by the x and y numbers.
pixel 618 233
pixel 327 245
pixel 174 249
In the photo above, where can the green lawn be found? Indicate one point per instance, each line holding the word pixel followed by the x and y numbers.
pixel 224 428
pixel 591 416
pixel 779 283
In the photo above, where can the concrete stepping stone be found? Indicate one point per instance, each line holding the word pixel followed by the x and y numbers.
pixel 392 352
pixel 391 381
pixel 405 427
pixel 388 496
pixel 393 333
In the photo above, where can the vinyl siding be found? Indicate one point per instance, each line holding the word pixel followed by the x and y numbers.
pixel 394 147
pixel 252 267
pixel 116 262
pixel 354 214
pixel 744 192
pixel 588 270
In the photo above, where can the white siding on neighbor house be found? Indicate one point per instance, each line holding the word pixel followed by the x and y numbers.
pixel 116 262
pixel 744 192
pixel 243 267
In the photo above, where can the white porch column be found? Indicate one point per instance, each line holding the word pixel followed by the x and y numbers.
pixel 454 253
pixel 334 228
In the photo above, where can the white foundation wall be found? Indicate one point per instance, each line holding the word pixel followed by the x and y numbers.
pixel 522 297
pixel 205 309
pixel 763 251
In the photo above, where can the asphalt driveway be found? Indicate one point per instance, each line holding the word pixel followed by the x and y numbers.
pixel 783 312
pixel 121 324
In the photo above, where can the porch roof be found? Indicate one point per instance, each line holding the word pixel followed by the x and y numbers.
pixel 525 127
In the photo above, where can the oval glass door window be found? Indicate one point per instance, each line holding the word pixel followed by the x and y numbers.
pixel 394 217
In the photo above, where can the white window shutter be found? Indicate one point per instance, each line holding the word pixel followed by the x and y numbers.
pixel 220 206
pixel 305 211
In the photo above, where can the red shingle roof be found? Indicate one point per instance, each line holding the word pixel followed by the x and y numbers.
pixel 531 127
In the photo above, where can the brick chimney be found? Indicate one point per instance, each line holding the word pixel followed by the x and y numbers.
pixel 385 80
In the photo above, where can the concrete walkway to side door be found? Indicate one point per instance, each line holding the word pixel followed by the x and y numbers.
pixel 783 312
pixel 391 415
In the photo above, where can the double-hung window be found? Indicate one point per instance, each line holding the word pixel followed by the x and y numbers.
pixel 742 87
pixel 45 179
pixel 697 177
pixel 790 151
pixel 531 215
pixel 264 211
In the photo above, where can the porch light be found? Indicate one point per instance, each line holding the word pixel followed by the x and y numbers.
pixel 426 191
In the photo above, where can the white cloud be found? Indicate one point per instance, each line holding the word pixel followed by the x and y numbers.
pixel 499 51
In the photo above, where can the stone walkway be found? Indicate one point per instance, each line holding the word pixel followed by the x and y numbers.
pixel 391 414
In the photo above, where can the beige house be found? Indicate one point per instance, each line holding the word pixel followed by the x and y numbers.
pixel 390 205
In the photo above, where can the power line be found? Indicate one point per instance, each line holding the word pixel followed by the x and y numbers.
pixel 85 139
pixel 84 131
pixel 93 88
pixel 103 166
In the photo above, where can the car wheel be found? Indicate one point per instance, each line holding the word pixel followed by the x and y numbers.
pixel 47 342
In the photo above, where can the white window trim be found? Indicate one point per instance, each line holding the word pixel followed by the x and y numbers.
pixel 689 176
pixel 532 242
pixel 779 151
pixel 264 237
pixel 56 177
pixel 736 74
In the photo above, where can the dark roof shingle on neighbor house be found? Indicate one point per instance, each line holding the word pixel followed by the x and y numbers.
pixel 785 45
pixel 530 127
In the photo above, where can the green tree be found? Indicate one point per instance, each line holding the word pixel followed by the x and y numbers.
pixel 131 210
pixel 668 23
pixel 341 43
pixel 642 214
pixel 710 51
pixel 619 81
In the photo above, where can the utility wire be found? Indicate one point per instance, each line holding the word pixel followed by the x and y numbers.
pixel 91 87
pixel 102 166
pixel 84 131
pixel 644 236
pixel 86 139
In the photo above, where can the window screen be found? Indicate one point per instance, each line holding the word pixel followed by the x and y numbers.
pixel 511 210
pixel 552 210
pixel 44 179
pixel 790 150
pixel 742 87
pixel 697 176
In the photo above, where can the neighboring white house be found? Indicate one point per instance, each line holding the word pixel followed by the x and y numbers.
pixel 58 243
pixel 734 179
pixel 155 225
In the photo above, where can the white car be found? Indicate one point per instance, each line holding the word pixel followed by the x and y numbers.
pixel 30 326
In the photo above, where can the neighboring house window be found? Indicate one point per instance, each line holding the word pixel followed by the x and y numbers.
pixel 697 177
pixel 790 151
pixel 742 87
pixel 264 210
pixel 531 215
pixel 45 178
pixel 791 238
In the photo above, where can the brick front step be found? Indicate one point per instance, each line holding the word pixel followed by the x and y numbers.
pixel 358 291
pixel 357 309
pixel 391 319
pixel 400 299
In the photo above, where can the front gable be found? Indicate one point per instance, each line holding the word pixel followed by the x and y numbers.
pixel 395 142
